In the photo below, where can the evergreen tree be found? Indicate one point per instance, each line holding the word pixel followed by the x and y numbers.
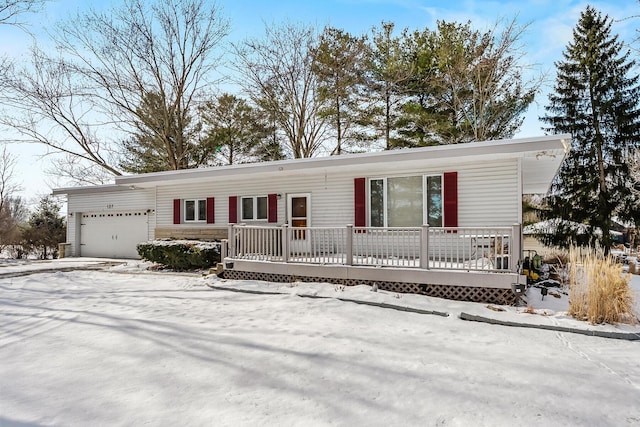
pixel 339 65
pixel 235 129
pixel 420 118
pixel 45 229
pixel 387 72
pixel 596 101
pixel 272 148
pixel 465 85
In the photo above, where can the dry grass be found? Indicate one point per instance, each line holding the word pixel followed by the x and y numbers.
pixel 599 291
pixel 557 262
pixel 557 257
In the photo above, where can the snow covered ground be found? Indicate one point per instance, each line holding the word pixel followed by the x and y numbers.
pixel 122 346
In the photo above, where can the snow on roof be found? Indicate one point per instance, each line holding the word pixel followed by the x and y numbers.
pixel 550 226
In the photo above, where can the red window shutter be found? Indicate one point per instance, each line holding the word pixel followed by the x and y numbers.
pixel 210 210
pixel 233 209
pixel 450 202
pixel 272 203
pixel 176 211
pixel 360 202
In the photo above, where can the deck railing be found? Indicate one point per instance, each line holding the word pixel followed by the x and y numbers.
pixel 450 248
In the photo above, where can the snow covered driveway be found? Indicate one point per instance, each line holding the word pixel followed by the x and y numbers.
pixel 100 348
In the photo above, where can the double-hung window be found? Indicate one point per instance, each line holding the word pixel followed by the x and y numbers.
pixel 195 210
pixel 254 208
pixel 407 201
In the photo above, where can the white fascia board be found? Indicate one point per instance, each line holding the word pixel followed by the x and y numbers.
pixel 89 189
pixel 441 154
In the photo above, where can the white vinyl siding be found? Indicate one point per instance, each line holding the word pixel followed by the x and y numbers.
pixel 488 192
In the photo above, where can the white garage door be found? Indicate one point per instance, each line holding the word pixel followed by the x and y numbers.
pixel 114 234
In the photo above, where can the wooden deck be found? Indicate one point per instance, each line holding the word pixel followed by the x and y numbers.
pixel 476 264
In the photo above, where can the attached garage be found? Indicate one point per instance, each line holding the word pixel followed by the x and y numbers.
pixel 108 221
pixel 113 234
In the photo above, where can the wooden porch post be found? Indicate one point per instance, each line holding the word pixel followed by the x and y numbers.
pixel 232 242
pixel 516 249
pixel 224 249
pixel 424 247
pixel 349 246
pixel 285 243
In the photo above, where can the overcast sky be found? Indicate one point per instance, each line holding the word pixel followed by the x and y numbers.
pixel 550 25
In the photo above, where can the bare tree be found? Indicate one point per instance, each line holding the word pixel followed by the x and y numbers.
pixel 12 209
pixel 10 10
pixel 277 73
pixel 47 104
pixel 7 169
pixel 86 101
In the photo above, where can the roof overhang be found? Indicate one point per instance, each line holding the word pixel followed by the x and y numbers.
pixel 541 158
pixel 109 188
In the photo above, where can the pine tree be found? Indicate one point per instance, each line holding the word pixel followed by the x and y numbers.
pixel 465 84
pixel 235 129
pixel 596 101
pixel 339 66
pixel 387 71
pixel 45 229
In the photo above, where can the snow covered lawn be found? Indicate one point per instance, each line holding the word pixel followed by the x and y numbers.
pixel 120 347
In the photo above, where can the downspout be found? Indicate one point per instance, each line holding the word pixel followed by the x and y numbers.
pixel 520 245
pixel 155 211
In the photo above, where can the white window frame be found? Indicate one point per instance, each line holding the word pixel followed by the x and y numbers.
pixel 254 213
pixel 425 214
pixel 196 210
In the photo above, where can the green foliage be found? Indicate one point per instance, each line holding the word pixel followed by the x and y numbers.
pixel 180 254
pixel 45 229
pixel 236 131
pixel 449 85
pixel 387 72
pixel 465 85
pixel 595 99
pixel 339 65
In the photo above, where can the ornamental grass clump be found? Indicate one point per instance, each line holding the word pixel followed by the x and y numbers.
pixel 599 292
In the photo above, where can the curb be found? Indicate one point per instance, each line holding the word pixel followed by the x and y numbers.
pixel 629 336
pixel 370 303
pixel 94 267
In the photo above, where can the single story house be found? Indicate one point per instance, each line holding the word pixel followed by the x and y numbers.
pixel 454 189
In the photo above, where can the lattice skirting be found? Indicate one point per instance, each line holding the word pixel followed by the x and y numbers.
pixel 458 293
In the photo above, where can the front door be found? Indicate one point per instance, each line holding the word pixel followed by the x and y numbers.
pixel 299 217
